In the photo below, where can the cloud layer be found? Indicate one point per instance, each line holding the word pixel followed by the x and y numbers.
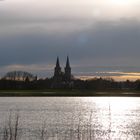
pixel 98 33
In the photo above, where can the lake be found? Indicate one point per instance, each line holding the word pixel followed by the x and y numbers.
pixel 71 118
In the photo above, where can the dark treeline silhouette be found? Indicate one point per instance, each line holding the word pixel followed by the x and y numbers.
pixel 48 83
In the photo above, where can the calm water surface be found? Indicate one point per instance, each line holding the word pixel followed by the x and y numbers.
pixel 72 118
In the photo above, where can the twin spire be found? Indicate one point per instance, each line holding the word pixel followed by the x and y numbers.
pixel 59 75
pixel 62 78
pixel 67 63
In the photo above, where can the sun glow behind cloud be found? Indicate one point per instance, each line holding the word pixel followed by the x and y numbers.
pixel 63 15
pixel 69 8
pixel 121 2
pixel 117 76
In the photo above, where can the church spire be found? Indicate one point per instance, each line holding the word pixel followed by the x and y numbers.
pixel 67 63
pixel 67 70
pixel 57 63
pixel 57 70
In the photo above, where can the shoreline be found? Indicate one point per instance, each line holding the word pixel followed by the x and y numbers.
pixel 69 93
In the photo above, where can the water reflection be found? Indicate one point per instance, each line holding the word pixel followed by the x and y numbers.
pixel 118 116
pixel 91 118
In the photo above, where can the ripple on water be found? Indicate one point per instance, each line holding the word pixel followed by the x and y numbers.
pixel 74 117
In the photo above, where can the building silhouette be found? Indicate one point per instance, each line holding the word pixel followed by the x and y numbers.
pixel 57 71
pixel 62 79
pixel 67 70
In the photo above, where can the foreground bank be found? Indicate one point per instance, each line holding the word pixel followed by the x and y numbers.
pixel 69 93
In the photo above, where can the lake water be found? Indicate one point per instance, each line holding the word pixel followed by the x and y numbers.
pixel 72 118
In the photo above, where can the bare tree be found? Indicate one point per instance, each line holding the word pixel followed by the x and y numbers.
pixel 19 76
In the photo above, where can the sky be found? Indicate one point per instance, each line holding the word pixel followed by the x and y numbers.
pixel 98 35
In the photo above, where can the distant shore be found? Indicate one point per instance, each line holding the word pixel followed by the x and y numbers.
pixel 69 93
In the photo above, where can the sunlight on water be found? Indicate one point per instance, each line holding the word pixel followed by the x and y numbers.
pixel 74 118
pixel 116 103
pixel 118 116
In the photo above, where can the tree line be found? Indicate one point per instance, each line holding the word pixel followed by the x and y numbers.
pixel 24 80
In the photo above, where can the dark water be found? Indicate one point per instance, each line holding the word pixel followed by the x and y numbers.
pixel 72 118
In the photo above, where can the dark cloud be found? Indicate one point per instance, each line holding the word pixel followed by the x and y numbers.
pixel 106 43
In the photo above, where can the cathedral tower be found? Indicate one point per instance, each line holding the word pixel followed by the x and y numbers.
pixel 68 70
pixel 57 71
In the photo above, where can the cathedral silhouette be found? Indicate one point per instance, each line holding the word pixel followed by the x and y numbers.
pixel 60 78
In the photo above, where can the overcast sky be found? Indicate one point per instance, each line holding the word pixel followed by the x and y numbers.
pixel 92 32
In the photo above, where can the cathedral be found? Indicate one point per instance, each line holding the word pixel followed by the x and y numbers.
pixel 60 78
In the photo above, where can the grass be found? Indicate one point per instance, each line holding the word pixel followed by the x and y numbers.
pixel 68 92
